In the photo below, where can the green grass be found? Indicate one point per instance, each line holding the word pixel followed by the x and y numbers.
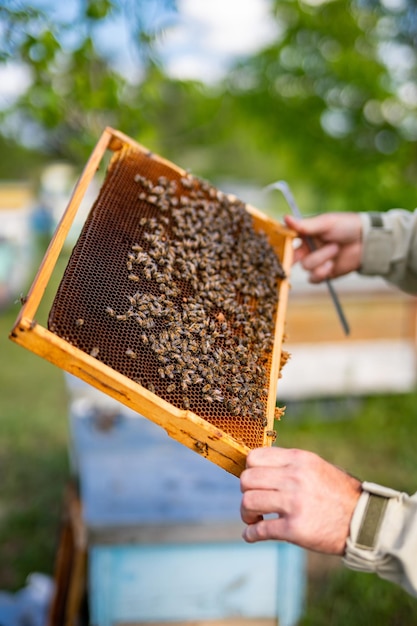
pixel 33 461
pixel 373 438
pixel 33 458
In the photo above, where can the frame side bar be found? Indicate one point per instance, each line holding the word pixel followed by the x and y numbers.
pixel 46 268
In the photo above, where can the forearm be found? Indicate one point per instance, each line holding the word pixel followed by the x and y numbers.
pixel 384 541
pixel 390 247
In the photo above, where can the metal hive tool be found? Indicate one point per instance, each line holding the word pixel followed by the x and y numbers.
pixel 173 302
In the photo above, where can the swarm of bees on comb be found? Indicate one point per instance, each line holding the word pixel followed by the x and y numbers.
pixel 215 342
pixel 194 306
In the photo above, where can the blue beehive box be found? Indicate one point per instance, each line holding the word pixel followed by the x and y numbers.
pixel 182 583
pixel 164 532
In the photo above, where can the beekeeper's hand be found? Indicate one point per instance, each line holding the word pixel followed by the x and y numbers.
pixel 338 238
pixel 313 501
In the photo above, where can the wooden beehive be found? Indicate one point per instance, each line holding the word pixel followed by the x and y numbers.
pixel 173 302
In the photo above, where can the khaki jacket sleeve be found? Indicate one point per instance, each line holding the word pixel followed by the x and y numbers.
pixel 392 552
pixel 390 247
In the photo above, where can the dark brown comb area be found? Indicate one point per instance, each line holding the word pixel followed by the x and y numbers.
pixel 170 285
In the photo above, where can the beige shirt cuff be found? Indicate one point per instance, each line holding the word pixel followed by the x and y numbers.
pixel 378 245
pixel 393 556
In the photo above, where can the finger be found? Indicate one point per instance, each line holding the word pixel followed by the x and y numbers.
pixel 266 529
pixel 264 478
pixel 264 456
pixel 320 256
pixel 250 518
pixel 308 227
pixel 258 503
pixel 292 222
pixel 300 251
pixel 322 273
pixel 273 456
pixel 256 478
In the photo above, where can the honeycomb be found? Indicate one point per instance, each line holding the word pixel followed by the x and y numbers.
pixel 170 285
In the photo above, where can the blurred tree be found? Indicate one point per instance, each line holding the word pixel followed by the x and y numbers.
pixel 76 88
pixel 330 106
pixel 333 102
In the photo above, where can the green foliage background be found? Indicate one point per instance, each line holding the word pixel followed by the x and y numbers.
pixel 321 106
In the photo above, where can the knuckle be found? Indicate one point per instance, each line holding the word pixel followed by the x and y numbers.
pixel 303 463
pixel 254 456
pixel 244 480
pixel 246 502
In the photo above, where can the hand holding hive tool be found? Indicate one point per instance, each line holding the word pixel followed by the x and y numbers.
pixel 282 186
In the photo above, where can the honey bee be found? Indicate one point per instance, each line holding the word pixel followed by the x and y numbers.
pixel 95 352
pixel 164 336
pixel 187 183
pixel 79 322
pixel 131 353
pixel 133 277
pixel 169 370
pixel 171 388
pixel 110 311
pixel 164 206
pixel 217 395
pixel 22 299
pixel 272 434
pixel 278 412
pixel 174 335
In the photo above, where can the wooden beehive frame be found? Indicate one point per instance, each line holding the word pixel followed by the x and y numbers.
pixel 182 425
